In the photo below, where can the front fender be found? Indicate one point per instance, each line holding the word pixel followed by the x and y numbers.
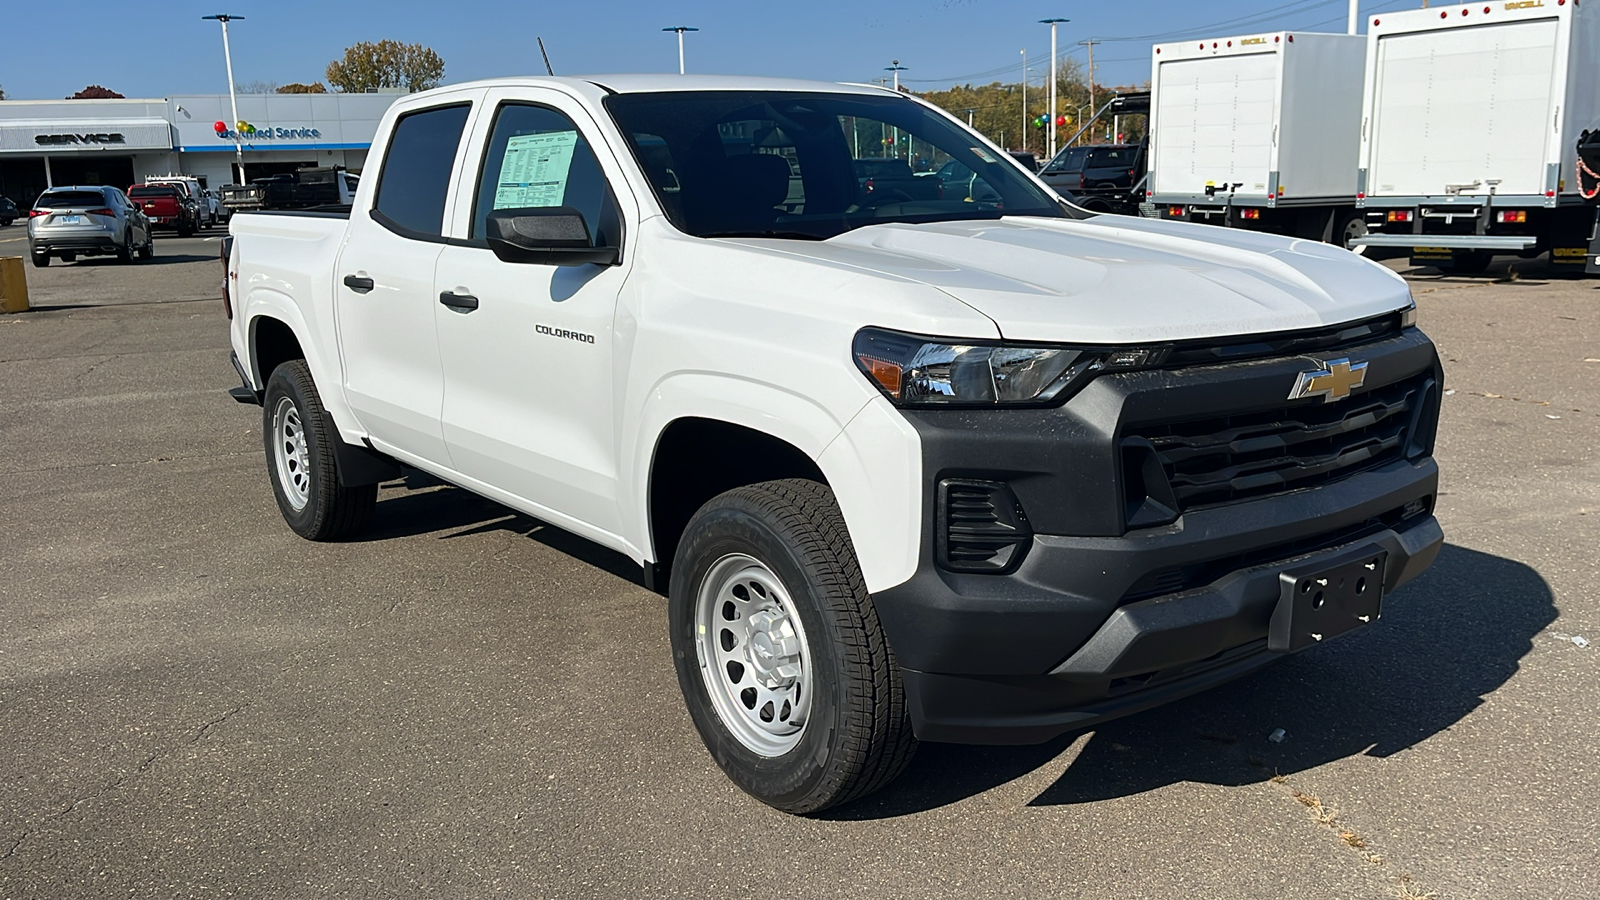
pixel 872 464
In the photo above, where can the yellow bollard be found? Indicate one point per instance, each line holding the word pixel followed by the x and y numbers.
pixel 13 285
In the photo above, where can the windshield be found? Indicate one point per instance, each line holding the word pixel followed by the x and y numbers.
pixel 814 165
pixel 153 191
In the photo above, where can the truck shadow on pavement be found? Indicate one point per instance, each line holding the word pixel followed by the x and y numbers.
pixel 1446 641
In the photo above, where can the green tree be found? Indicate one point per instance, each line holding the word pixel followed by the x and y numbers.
pixel 386 64
pixel 295 87
pixel 2 93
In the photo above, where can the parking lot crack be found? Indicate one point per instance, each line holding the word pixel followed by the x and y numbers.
pixel 201 733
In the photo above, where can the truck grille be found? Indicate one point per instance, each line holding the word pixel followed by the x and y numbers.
pixel 1226 458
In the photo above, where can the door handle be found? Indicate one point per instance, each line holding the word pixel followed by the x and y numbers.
pixel 358 284
pixel 458 302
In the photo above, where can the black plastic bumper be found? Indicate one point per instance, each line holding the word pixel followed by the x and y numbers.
pixel 1112 620
pixel 85 244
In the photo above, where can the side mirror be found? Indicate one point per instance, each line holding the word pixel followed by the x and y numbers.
pixel 546 236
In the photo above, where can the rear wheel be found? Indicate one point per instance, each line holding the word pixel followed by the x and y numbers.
pixel 1469 262
pixel 299 440
pixel 783 664
pixel 149 248
pixel 40 260
pixel 69 257
pixel 125 252
pixel 1351 226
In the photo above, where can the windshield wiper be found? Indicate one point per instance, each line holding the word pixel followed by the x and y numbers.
pixel 795 235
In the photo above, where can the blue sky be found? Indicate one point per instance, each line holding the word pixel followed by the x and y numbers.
pixel 171 51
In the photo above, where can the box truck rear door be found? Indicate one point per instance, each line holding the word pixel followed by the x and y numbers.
pixel 1461 105
pixel 1214 120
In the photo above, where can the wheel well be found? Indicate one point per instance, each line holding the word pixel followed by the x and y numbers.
pixel 275 344
pixel 697 459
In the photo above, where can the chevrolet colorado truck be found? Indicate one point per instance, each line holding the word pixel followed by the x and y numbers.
pixel 983 469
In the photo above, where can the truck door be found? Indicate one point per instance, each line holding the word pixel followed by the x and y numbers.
pixel 527 348
pixel 384 286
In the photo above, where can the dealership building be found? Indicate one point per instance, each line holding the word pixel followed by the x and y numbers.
pixel 118 142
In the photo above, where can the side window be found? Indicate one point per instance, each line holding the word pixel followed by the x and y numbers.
pixel 416 170
pixel 538 158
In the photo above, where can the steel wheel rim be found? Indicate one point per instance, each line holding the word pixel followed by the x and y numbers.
pixel 754 658
pixel 1356 228
pixel 291 454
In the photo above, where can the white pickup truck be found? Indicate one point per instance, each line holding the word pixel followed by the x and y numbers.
pixel 974 466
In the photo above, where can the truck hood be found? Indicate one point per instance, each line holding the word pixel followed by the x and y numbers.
pixel 1117 279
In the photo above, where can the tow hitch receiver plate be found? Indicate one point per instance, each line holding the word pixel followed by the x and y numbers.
pixel 1323 601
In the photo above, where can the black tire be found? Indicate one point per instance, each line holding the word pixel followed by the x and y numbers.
pixel 857 736
pixel 1351 225
pixel 69 257
pixel 40 260
pixel 125 253
pixel 5 222
pixel 149 248
pixel 1470 262
pixel 330 510
pixel 185 231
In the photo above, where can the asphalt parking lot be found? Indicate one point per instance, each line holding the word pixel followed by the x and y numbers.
pixel 466 703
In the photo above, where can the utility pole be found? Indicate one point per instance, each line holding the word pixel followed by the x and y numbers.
pixel 680 29
pixel 896 68
pixel 1090 44
pixel 233 99
pixel 1024 100
pixel 1354 4
pixel 1053 23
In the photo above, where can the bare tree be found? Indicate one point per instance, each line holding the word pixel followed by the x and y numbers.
pixel 257 87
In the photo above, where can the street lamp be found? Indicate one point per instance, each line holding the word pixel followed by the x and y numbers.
pixel 896 68
pixel 1024 100
pixel 680 29
pixel 233 99
pixel 1053 23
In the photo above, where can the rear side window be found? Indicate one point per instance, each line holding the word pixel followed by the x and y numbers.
pixel 416 170
pixel 63 199
pixel 536 158
pixel 1111 156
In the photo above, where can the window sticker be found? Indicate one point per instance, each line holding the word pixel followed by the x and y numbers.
pixel 535 169
pixel 983 154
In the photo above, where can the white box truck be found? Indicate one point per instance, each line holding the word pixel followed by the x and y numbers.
pixel 1470 123
pixel 1259 131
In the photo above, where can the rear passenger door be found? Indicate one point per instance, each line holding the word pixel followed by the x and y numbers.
pixel 383 283
pixel 528 368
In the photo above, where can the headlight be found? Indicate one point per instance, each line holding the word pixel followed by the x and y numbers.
pixel 918 371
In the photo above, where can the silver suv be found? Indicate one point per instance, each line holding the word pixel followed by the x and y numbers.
pixel 97 220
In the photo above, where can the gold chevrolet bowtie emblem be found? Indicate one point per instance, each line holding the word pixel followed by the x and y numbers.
pixel 1334 381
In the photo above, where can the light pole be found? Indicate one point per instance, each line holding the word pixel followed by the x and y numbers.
pixel 896 68
pixel 1354 6
pixel 680 29
pixel 233 99
pixel 1024 100
pixel 1053 23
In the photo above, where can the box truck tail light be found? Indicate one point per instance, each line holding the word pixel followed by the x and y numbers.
pixel 1175 212
pixel 1549 193
pixel 1514 216
pixel 1250 214
pixel 1399 215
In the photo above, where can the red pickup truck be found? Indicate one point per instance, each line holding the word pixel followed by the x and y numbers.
pixel 166 206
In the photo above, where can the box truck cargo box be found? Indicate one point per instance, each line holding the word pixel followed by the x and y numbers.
pixel 1278 115
pixel 1471 117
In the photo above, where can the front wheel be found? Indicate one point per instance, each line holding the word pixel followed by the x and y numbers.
pixel 1353 225
pixel 299 438
pixel 783 664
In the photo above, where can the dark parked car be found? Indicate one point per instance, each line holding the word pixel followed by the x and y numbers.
pixel 1100 177
pixel 1027 159
pixel 893 180
pixel 8 212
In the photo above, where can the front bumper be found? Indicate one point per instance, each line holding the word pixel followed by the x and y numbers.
pixel 1101 620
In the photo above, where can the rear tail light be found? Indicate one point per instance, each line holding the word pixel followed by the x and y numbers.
pixel 102 212
pixel 36 213
pixel 868 185
pixel 226 245
pixel 1514 216
pixel 1175 212
pixel 1250 214
pixel 1083 181
pixel 982 527
pixel 1399 215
